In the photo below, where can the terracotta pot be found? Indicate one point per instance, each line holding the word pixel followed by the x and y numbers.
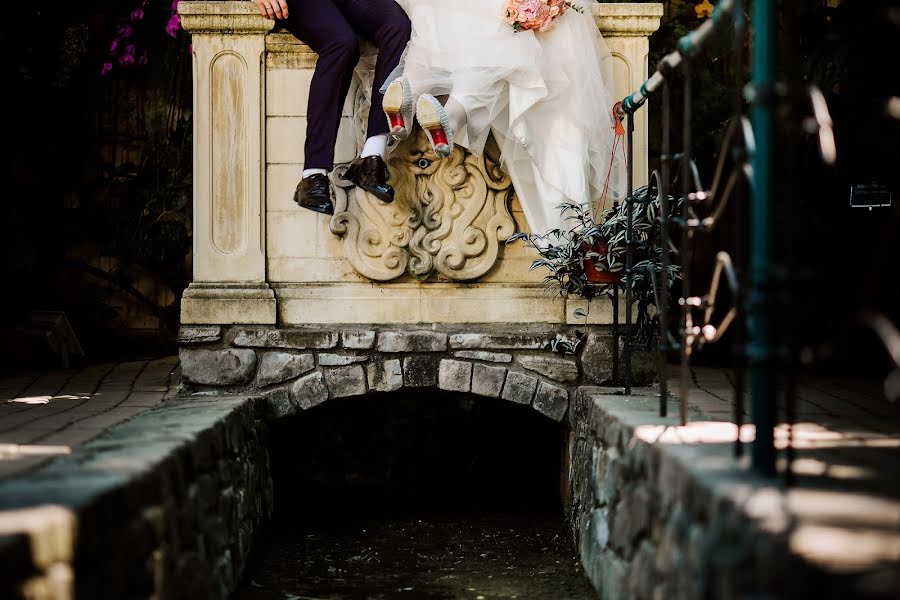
pixel 590 268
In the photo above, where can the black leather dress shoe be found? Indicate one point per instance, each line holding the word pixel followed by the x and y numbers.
pixel 314 193
pixel 371 174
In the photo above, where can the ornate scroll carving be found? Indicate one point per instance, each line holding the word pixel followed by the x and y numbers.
pixel 448 219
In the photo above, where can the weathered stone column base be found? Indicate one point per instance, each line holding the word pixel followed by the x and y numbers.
pixel 221 303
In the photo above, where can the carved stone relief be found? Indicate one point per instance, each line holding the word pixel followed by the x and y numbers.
pixel 449 216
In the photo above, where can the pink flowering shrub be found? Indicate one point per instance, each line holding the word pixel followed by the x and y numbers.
pixel 123 49
pixel 538 15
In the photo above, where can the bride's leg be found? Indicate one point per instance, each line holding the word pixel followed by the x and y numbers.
pixel 456 113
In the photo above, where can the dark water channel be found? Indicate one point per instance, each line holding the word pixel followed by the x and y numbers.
pixel 403 496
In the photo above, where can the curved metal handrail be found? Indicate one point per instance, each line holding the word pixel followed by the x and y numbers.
pixel 688 46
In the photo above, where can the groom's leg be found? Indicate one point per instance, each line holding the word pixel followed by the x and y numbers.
pixel 322 26
pixel 385 23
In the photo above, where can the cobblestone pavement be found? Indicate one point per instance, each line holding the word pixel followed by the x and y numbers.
pixel 45 415
pixel 855 403
pixel 846 422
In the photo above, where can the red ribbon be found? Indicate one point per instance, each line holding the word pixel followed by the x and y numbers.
pixel 619 130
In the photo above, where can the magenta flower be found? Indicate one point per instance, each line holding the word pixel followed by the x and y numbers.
pixel 122 51
pixel 125 31
pixel 173 25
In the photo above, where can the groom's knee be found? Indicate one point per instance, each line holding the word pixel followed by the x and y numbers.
pixel 394 32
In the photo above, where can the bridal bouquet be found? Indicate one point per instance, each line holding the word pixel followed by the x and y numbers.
pixel 539 15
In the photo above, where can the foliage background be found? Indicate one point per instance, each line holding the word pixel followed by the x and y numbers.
pixel 834 262
pixel 96 219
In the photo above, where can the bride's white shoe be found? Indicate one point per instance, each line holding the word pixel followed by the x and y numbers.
pixel 398 108
pixel 433 118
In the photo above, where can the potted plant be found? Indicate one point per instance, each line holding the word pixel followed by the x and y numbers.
pixel 571 255
pixel 593 269
pixel 588 258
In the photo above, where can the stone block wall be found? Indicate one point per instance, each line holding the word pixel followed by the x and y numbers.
pixel 657 511
pixel 297 368
pixel 165 506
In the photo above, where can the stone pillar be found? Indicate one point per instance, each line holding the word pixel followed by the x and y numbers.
pixel 229 179
pixel 626 27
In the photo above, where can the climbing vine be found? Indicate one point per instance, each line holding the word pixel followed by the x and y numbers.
pixel 100 167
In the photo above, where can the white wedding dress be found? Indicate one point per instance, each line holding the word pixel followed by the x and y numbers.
pixel 546 97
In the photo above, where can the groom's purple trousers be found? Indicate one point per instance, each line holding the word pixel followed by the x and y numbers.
pixel 331 28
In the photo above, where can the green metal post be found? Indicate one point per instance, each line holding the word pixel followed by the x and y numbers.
pixel 760 347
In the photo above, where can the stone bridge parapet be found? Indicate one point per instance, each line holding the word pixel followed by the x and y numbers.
pixel 298 368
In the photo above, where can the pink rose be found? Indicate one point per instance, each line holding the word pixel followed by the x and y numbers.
pixel 137 14
pixel 555 9
pixel 511 11
pixel 107 67
pixel 529 9
pixel 536 16
pixel 540 15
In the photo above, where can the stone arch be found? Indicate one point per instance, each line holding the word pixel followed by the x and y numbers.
pixel 384 374
pixel 296 369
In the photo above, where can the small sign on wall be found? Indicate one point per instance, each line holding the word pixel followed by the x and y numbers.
pixel 870 195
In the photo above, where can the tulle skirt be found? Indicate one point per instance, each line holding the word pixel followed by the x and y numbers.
pixel 546 98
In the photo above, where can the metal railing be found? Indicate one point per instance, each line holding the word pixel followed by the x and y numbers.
pixel 748 272
pixel 748 287
pixel 748 147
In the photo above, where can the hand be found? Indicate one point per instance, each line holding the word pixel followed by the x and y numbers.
pixel 272 9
